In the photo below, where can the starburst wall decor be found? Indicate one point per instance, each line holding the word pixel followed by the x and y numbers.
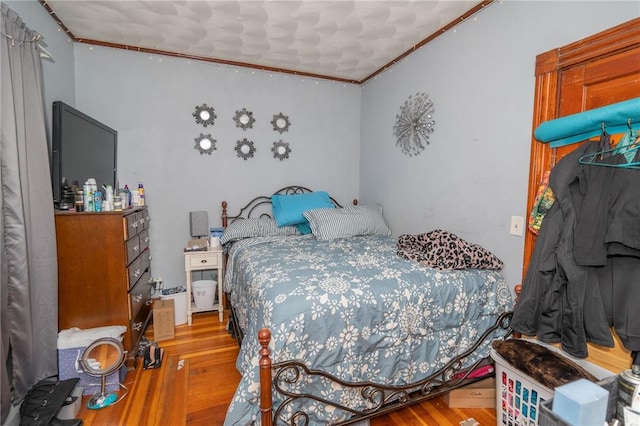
pixel 414 123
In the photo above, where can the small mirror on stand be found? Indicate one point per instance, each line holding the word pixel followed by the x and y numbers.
pixel 99 359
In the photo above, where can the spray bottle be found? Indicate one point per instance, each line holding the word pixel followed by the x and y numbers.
pixel 141 193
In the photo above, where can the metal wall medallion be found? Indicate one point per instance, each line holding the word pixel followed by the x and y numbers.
pixel 244 119
pixel 205 144
pixel 414 123
pixel 245 149
pixel 205 115
pixel 280 122
pixel 280 150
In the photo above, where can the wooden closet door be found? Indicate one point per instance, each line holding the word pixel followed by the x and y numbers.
pixel 593 72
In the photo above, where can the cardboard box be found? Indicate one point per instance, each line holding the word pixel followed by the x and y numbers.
pixel 70 366
pixel 163 320
pixel 481 394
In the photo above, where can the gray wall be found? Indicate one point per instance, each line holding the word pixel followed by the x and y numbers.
pixel 150 101
pixel 470 180
pixel 473 176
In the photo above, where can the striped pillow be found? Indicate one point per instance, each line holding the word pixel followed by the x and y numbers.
pixel 255 227
pixel 327 224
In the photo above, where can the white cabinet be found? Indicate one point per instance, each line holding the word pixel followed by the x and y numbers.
pixel 212 259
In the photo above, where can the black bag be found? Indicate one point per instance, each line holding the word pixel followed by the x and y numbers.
pixel 152 356
pixel 43 402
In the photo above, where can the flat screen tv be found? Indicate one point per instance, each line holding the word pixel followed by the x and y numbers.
pixel 82 148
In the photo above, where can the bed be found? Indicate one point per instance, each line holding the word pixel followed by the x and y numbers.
pixel 335 327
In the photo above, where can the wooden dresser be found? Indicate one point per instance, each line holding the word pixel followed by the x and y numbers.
pixel 104 272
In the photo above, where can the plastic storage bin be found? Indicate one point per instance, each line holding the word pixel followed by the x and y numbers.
pixel 549 418
pixel 519 397
pixel 204 293
pixel 179 296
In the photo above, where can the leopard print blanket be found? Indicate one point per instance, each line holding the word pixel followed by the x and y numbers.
pixel 443 250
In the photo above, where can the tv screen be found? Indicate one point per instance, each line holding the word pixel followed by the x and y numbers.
pixel 82 148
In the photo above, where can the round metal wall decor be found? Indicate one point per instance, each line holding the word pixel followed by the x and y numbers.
pixel 244 119
pixel 205 144
pixel 245 149
pixel 280 122
pixel 205 115
pixel 280 150
pixel 414 123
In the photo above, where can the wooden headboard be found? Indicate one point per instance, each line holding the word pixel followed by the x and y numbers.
pixel 590 73
pixel 261 205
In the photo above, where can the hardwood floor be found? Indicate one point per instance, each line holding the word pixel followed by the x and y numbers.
pixel 197 380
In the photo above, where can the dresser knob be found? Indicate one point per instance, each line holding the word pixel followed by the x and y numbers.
pixel 203 261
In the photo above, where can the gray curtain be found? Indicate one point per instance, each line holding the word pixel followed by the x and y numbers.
pixel 29 286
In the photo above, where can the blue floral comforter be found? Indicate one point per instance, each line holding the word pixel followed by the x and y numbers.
pixel 355 309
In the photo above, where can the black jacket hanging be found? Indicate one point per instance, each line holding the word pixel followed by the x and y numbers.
pixel 552 302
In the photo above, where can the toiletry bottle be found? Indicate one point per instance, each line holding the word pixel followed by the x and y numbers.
pixel 88 197
pixel 126 202
pixel 107 203
pixel 141 193
pixel 97 201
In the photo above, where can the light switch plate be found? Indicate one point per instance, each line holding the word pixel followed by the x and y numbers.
pixel 517 225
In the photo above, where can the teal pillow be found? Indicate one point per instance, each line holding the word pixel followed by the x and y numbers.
pixel 304 228
pixel 288 208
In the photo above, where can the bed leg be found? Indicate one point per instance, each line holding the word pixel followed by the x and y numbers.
pixel 266 402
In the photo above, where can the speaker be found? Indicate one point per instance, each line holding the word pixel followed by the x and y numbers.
pixel 199 224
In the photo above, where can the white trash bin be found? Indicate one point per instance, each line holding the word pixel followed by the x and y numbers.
pixel 204 293
pixel 179 305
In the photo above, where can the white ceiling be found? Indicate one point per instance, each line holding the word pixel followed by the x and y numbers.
pixel 338 39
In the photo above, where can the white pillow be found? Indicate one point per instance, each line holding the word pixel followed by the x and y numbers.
pixel 327 224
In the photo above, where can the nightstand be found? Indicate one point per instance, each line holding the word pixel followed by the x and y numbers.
pixel 202 261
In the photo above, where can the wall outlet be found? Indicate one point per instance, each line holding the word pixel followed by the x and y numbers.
pixel 517 225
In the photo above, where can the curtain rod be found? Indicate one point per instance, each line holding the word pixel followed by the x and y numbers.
pixel 569 129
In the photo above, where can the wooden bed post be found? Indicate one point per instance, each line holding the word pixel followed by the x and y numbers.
pixel 266 402
pixel 517 290
pixel 224 214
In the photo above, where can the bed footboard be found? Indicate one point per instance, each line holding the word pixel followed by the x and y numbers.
pixel 277 378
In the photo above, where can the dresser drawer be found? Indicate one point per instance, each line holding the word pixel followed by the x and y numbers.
pixel 145 219
pixel 133 248
pixel 202 260
pixel 144 239
pixel 134 224
pixel 139 294
pixel 138 267
pixel 139 323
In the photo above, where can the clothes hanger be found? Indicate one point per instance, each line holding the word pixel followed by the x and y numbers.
pixel 626 144
pixel 44 53
pixel 627 149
